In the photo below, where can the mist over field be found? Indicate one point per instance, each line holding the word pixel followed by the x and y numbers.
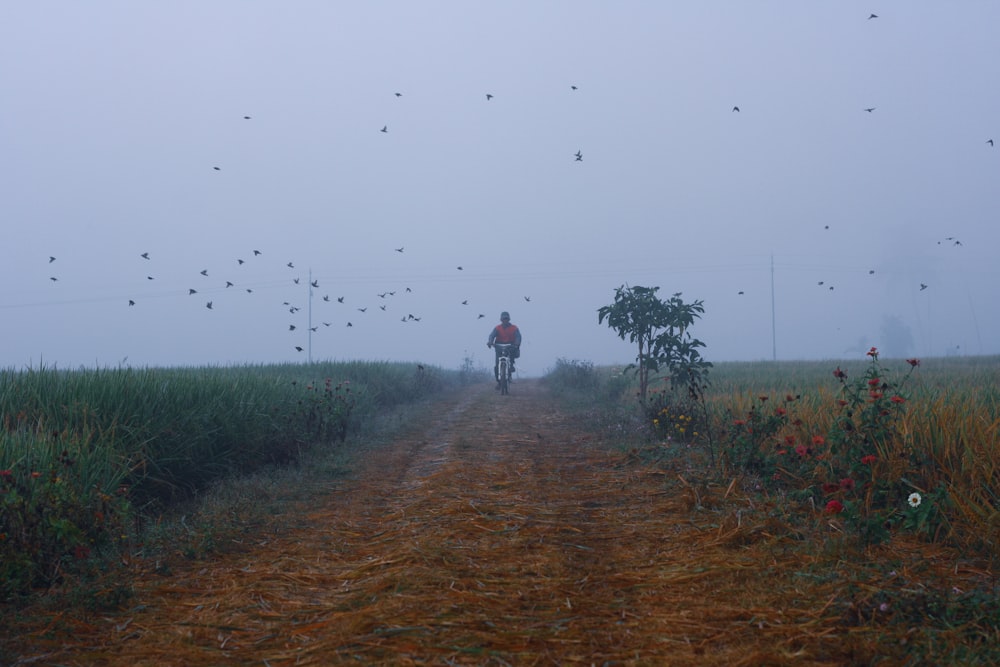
pixel 227 183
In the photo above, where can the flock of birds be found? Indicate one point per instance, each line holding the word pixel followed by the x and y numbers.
pixel 386 296
pixel 291 307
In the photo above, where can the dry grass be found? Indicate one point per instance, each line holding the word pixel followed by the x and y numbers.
pixel 498 533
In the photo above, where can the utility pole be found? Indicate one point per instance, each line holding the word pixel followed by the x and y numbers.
pixel 310 326
pixel 774 339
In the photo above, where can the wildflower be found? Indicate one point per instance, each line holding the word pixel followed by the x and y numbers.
pixel 781 412
pixel 739 422
pixel 789 440
pixel 875 395
pixel 898 399
pixel 801 450
pixel 789 398
pixel 834 507
pixel 762 398
pixel 36 474
pixel 868 460
pixel 6 474
pixel 841 402
pixel 914 500
pixel 873 382
pixel 873 353
pixel 830 487
pixel 839 374
pixel 847 484
pixel 913 362
pixel 819 440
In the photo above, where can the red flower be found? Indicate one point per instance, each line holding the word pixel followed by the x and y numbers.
pixel 789 398
pixel 762 398
pixel 830 487
pixel 819 440
pixel 898 399
pixel 834 507
pixel 873 352
pixel 875 395
pixel 781 412
pixel 801 450
pixel 874 382
pixel 868 460
pixel 739 422
pixel 847 484
pixel 841 402
pixel 839 374
pixel 6 474
pixel 789 440
pixel 913 362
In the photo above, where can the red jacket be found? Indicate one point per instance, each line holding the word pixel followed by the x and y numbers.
pixel 508 334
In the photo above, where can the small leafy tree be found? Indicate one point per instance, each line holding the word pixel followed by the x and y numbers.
pixel 660 329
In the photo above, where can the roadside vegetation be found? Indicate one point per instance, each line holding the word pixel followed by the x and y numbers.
pixel 98 466
pixel 880 477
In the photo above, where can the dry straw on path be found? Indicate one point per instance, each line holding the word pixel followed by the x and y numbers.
pixel 497 533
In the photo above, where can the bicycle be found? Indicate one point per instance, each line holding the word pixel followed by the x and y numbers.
pixel 504 362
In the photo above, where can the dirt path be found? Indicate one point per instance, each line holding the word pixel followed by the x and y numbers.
pixel 497 534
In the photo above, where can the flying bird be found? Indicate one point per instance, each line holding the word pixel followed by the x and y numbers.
pixel 740 292
pixel 51 259
pixel 192 291
pixel 204 272
pixel 989 141
pixel 579 156
pixel 399 94
pixel 459 268
pixel 290 265
pixel 872 16
pixel 256 252
pixel 149 277
pixel 298 349
pixel 385 128
pixel 736 109
pixel 573 87
pixel 315 283
pixel 246 117
pixel 363 309
pixel 400 249
pixel 465 303
pixel 871 272
pixel 240 262
pixel 217 168
pixel 209 305
pixel 922 287
pixel 481 316
pixel 326 297
pixel 527 298
pixel 228 284
pixel 349 324
pixel 381 307
pixel 870 109
pixel 295 280
pixel 291 327
pixel 340 299
pixel 131 302
pixel 488 97
pixel 144 255
pixel 53 278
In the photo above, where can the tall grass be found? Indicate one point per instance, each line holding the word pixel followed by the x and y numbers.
pixel 84 453
pixel 939 438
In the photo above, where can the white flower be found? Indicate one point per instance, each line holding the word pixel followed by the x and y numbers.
pixel 914 500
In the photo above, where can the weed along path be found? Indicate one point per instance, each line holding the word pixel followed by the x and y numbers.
pixel 496 533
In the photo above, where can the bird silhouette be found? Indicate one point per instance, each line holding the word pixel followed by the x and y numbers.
pixel 295 280
pixel 340 299
pixel 298 349
pixel 740 292
pixel 217 168
pixel 488 97
pixel 527 298
pixel 53 279
pixel 326 297
pixel 291 327
pixel 149 277
pixel 385 128
pixel 256 252
pixel 408 289
pixel 465 303
pixel 249 291
pixel 870 109
pixel 459 268
pixel 192 291
pixel 240 262
pixel 989 141
pixel 736 109
pixel 922 287
pixel 290 265
pixel 363 309
pixel 871 272
pixel 349 324
pixel 872 16
pixel 246 117
pixel 481 316
pixel 228 284
pixel 820 282
pixel 573 87
pixel 144 255
pixel 381 307
pixel 131 302
pixel 51 259
pixel 315 283
pixel 326 324
pixel 399 94
pixel 579 156
pixel 204 272
pixel 209 305
pixel 400 249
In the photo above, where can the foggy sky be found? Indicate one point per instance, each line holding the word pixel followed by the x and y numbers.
pixel 122 132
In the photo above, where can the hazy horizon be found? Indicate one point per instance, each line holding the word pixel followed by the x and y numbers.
pixel 553 151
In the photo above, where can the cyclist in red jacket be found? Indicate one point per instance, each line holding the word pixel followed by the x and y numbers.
pixel 505 332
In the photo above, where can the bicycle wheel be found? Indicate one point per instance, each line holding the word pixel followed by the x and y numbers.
pixel 504 376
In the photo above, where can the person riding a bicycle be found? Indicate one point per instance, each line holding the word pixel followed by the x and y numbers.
pixel 504 333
